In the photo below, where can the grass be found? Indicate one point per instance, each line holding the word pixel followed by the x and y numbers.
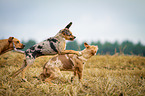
pixel 103 75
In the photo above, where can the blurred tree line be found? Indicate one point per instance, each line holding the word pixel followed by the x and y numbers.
pixel 126 47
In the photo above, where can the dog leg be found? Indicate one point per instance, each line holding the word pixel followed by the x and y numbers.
pixel 75 73
pixel 20 70
pixel 17 72
pixel 23 73
pixel 29 62
pixel 70 52
pixel 78 67
pixel 59 75
pixel 52 77
pixel 26 65
pixel 80 75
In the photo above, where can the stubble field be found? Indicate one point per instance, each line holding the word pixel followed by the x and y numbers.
pixel 103 75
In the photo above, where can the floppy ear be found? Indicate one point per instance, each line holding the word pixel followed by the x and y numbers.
pixel 86 45
pixel 68 25
pixel 10 39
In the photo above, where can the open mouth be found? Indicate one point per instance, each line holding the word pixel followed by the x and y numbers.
pixel 71 39
pixel 19 48
pixel 93 53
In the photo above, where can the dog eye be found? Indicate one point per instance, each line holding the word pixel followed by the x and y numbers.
pixel 63 33
pixel 17 41
pixel 68 34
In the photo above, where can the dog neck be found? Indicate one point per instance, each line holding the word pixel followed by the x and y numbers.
pixel 10 44
pixel 59 35
pixel 82 58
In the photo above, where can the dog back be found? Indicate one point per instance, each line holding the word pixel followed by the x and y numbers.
pixel 66 61
pixel 63 62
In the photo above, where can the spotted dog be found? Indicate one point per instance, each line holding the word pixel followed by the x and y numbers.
pixel 51 46
pixel 67 62
pixel 7 45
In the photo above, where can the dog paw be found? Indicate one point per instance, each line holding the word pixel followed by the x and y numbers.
pixel 79 53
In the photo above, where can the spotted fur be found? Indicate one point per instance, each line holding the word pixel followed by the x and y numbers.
pixel 50 46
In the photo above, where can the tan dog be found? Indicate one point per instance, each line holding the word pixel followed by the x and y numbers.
pixel 7 44
pixel 67 62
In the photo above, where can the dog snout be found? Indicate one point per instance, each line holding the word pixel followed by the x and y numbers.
pixel 93 52
pixel 72 38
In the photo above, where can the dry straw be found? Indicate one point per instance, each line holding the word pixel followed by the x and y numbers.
pixel 103 75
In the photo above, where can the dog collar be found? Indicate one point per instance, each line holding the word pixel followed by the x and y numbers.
pixel 14 46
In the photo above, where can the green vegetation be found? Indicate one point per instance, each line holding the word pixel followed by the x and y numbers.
pixel 104 75
pixel 126 47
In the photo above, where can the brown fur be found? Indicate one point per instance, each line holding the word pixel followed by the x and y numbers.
pixel 7 44
pixel 67 62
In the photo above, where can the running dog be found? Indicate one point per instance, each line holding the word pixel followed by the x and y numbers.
pixel 51 46
pixel 67 62
pixel 7 45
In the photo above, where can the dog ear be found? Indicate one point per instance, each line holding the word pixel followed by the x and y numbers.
pixel 68 25
pixel 10 39
pixel 86 45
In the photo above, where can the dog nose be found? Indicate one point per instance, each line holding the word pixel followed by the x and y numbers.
pixel 23 45
pixel 74 37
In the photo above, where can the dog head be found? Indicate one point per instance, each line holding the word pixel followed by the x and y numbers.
pixel 17 43
pixel 89 51
pixel 67 34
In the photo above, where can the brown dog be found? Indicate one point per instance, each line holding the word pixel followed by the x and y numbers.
pixel 7 44
pixel 67 62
